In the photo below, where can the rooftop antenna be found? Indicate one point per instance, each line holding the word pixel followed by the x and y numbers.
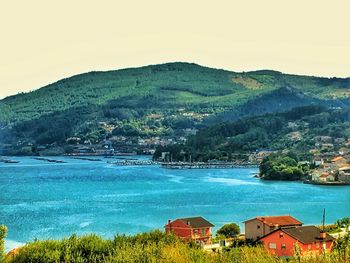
pixel 323 233
pixel 323 218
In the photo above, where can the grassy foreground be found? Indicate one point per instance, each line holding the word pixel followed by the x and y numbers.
pixel 152 247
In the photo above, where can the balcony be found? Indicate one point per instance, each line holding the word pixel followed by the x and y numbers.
pixel 198 236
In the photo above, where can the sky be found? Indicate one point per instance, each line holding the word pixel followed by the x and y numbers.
pixel 42 41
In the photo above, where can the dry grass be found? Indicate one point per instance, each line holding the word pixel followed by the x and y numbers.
pixel 247 82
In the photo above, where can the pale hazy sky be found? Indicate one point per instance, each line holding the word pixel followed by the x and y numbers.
pixel 44 41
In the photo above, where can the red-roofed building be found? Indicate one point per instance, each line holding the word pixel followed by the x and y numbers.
pixel 192 228
pixel 326 177
pixel 262 225
pixel 310 240
pixel 339 160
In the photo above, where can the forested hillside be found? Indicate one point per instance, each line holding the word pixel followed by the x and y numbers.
pixel 158 100
pixel 295 130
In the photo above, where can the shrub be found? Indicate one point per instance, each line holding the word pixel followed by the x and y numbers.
pixel 3 233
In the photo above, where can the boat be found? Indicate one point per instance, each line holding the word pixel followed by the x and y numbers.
pixel 10 161
pixel 49 160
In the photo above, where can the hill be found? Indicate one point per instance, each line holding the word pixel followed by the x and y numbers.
pixel 300 130
pixel 157 100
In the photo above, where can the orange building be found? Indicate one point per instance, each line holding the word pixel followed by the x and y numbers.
pixel 310 239
pixel 339 160
pixel 192 228
pixel 262 225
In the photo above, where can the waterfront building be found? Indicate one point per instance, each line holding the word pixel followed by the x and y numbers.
pixel 310 240
pixel 197 229
pixel 262 225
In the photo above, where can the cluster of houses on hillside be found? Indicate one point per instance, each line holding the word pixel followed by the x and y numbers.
pixel 331 160
pixel 330 144
pixel 122 144
pixel 279 234
pixel 335 170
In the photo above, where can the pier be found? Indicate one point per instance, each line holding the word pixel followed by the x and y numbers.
pixel 87 159
pixel 203 165
pixel 133 163
pixel 49 160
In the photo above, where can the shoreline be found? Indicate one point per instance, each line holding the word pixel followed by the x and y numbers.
pixel 204 165
pixel 336 183
pixel 133 162
pixel 332 183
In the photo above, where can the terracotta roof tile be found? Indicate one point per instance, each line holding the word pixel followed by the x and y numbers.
pixel 196 222
pixel 324 175
pixel 278 220
pixel 307 234
pixel 337 159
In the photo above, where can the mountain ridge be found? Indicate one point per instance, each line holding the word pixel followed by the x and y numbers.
pixel 170 63
pixel 183 94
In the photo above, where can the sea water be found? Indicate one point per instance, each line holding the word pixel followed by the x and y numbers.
pixel 41 200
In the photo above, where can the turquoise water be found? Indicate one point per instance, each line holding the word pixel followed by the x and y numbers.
pixel 44 200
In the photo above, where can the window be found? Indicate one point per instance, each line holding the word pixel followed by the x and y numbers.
pixel 203 231
pixel 272 245
pixel 283 246
pixel 281 234
pixel 257 227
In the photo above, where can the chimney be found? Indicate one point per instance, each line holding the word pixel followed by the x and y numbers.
pixel 188 223
pixel 169 225
pixel 322 235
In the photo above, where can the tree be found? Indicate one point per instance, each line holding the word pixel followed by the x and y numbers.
pixel 281 167
pixel 229 230
pixel 343 222
pixel 3 233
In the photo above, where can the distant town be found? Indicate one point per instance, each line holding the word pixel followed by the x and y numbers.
pixel 330 162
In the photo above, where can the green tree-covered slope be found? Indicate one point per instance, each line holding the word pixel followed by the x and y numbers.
pixel 165 86
pixel 294 130
pixel 185 95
